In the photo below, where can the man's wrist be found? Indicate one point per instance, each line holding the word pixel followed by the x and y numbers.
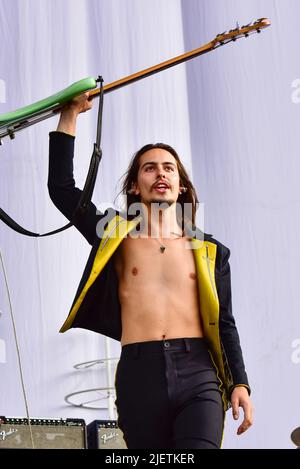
pixel 241 386
pixel 67 121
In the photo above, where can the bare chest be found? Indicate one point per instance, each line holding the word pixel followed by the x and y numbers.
pixel 147 259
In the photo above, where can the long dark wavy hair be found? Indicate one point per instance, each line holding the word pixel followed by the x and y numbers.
pixel 188 197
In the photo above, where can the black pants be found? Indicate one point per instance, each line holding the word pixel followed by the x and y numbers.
pixel 168 395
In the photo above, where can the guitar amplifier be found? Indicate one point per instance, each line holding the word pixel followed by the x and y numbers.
pixel 46 433
pixel 105 434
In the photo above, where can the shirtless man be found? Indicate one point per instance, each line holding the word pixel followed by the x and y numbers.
pixel 175 377
pixel 150 279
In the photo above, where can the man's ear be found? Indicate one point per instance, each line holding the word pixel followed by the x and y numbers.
pixel 182 189
pixel 134 189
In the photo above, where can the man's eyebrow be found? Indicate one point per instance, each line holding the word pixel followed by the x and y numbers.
pixel 155 163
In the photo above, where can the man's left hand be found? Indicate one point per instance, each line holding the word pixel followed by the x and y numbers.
pixel 240 398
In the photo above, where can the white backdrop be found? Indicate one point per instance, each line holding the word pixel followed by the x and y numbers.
pixel 233 117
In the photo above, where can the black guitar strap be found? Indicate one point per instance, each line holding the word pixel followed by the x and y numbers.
pixel 89 185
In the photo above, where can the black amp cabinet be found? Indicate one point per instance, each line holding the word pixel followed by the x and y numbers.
pixel 46 433
pixel 105 434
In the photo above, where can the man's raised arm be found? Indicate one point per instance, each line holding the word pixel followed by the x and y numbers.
pixel 61 183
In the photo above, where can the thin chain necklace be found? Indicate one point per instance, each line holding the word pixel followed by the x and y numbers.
pixel 162 247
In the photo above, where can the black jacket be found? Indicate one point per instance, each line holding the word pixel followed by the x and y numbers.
pixel 96 304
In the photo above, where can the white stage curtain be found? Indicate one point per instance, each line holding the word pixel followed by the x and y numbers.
pixel 233 117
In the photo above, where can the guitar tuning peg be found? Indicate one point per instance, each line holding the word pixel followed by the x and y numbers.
pixel 246 25
pixel 258 30
pixel 259 20
pixel 246 34
pixel 222 34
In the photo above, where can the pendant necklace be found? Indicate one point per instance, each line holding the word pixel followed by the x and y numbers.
pixel 162 247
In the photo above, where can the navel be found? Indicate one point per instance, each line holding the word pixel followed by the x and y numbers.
pixel 193 276
pixel 134 271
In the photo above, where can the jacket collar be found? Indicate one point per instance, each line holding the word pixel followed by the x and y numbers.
pixel 196 233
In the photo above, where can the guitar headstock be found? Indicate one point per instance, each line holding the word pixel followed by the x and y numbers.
pixel 243 31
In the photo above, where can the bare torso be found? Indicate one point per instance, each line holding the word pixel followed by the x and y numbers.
pixel 158 292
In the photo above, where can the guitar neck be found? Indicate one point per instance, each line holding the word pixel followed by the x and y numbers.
pixel 155 69
pixel 220 40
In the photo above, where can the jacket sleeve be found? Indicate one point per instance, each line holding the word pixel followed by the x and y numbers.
pixel 61 184
pixel 229 336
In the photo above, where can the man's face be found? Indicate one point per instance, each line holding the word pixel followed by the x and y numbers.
pixel 158 177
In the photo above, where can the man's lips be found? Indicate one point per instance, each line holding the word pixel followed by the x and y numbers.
pixel 161 187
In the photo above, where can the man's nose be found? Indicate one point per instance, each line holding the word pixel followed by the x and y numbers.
pixel 161 173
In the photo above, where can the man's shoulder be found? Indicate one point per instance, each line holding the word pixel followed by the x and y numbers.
pixel 221 246
pixel 106 217
pixel 202 235
pixel 223 252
